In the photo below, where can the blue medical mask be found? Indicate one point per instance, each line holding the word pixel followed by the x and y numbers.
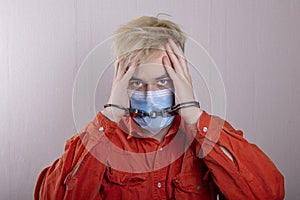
pixel 153 101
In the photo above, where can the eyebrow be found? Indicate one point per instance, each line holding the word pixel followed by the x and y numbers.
pixel 162 76
pixel 157 78
pixel 135 79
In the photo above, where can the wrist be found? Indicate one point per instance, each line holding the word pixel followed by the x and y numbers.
pixel 114 114
pixel 191 115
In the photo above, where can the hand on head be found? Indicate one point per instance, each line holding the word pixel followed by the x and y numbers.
pixel 176 65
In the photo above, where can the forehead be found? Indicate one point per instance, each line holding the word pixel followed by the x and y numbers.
pixel 151 67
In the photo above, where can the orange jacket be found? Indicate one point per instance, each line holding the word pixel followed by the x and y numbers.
pixel 94 166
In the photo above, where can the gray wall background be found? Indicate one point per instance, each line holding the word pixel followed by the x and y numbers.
pixel 255 44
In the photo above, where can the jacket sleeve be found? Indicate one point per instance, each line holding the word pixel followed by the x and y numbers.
pixel 239 169
pixel 50 183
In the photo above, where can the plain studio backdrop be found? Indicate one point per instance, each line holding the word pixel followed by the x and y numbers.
pixel 254 43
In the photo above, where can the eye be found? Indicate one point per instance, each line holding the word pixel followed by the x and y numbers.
pixel 136 83
pixel 163 82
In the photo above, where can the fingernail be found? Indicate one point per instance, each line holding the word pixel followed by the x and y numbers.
pixel 164 58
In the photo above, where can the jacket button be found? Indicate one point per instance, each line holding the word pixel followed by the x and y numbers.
pixel 101 128
pixel 159 185
pixel 205 129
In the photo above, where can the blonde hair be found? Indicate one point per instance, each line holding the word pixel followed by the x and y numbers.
pixel 141 36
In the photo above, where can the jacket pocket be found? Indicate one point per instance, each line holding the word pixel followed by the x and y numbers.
pixel 124 178
pixel 70 179
pixel 124 185
pixel 190 186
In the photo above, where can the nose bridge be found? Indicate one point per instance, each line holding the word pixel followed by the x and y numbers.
pixel 151 86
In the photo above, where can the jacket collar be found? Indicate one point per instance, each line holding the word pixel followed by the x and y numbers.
pixel 128 125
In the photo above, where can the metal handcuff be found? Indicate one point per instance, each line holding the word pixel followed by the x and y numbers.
pixel 153 114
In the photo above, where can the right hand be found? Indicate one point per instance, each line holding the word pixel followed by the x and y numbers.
pixel 124 70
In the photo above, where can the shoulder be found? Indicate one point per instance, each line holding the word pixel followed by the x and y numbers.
pixel 216 123
pixel 84 140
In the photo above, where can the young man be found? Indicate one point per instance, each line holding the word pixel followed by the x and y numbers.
pixel 152 140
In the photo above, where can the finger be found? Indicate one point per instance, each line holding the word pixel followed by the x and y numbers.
pixel 123 67
pixel 180 56
pixel 130 71
pixel 178 51
pixel 169 69
pixel 173 58
pixel 182 60
pixel 127 64
pixel 119 71
pixel 173 75
pixel 116 64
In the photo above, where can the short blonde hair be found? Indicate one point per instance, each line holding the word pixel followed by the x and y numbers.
pixel 144 34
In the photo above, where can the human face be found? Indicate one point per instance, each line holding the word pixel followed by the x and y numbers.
pixel 151 75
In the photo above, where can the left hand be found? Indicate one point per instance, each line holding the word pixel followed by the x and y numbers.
pixel 182 80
